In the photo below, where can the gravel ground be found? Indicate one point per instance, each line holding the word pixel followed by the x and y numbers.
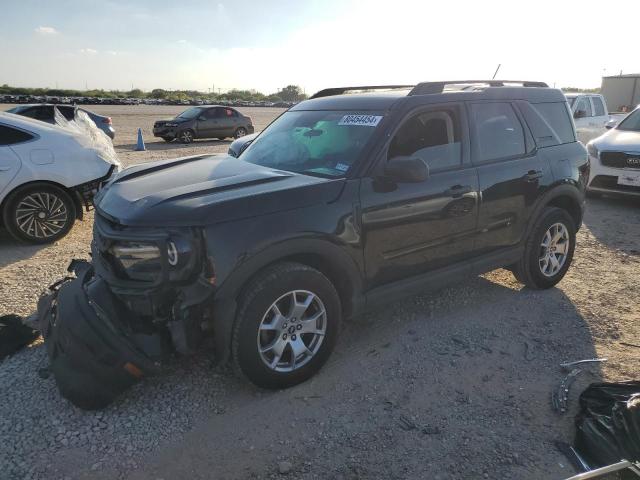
pixel 448 385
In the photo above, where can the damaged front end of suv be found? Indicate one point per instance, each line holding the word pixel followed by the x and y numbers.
pixel 144 295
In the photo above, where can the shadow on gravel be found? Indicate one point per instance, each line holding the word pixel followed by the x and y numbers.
pixel 451 385
pixel 12 251
pixel 175 145
pixel 454 384
pixel 612 219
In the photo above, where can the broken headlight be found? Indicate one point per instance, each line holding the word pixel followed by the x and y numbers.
pixel 138 260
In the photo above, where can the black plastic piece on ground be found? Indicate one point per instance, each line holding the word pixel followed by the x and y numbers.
pixel 14 335
pixel 93 358
pixel 608 425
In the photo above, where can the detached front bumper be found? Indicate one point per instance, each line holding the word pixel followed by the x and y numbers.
pixel 94 355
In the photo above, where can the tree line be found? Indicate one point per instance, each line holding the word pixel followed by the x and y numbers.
pixel 290 93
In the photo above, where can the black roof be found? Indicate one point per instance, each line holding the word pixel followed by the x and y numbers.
pixel 386 97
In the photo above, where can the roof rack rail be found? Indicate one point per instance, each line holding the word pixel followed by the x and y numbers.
pixel 425 88
pixel 329 92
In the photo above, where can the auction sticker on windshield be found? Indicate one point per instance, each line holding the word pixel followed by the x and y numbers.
pixel 361 120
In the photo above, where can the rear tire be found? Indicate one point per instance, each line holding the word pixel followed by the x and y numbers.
pixel 548 250
pixel 39 213
pixel 240 132
pixel 279 342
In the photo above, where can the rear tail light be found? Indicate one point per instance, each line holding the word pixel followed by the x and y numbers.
pixel 107 120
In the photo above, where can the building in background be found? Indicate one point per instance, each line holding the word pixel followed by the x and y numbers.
pixel 622 92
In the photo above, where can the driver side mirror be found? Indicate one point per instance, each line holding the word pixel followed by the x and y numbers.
pixel 405 169
pixel 580 114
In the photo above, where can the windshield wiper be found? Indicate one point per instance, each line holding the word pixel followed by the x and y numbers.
pixel 312 173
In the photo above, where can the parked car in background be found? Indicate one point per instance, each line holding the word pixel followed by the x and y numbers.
pixel 47 176
pixel 212 121
pixel 239 145
pixel 615 159
pixel 590 114
pixel 45 112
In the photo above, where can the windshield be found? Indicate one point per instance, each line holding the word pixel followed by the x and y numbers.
pixel 321 143
pixel 632 122
pixel 191 113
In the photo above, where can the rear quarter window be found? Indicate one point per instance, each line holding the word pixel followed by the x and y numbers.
pixel 11 136
pixel 555 117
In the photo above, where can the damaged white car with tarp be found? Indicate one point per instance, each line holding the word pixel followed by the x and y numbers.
pixel 50 173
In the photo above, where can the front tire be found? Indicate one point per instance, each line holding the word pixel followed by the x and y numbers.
pixel 548 250
pixel 287 325
pixel 186 136
pixel 39 213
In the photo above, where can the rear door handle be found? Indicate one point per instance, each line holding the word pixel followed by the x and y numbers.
pixel 459 190
pixel 533 175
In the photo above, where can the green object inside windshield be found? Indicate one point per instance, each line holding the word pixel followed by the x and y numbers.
pixel 318 143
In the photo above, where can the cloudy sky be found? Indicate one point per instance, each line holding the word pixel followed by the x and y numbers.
pixel 266 44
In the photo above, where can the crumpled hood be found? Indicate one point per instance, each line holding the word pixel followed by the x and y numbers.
pixel 619 141
pixel 203 190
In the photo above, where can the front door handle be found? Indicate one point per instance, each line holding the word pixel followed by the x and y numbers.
pixel 459 190
pixel 533 175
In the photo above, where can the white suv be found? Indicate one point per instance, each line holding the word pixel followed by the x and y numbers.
pixel 47 175
pixel 615 159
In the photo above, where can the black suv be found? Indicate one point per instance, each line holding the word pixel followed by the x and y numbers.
pixel 210 121
pixel 346 201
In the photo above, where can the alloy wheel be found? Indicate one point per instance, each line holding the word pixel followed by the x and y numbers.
pixel 186 136
pixel 554 249
pixel 41 215
pixel 292 331
pixel 241 132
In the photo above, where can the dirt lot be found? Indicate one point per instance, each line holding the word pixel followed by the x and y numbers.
pixel 447 385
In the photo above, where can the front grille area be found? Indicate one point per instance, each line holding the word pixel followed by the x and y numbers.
pixel 620 159
pixel 610 182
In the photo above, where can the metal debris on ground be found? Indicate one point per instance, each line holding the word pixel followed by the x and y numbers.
pixel 569 365
pixel 620 466
pixel 560 396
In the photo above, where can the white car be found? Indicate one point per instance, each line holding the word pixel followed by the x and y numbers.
pixel 590 114
pixel 47 175
pixel 615 159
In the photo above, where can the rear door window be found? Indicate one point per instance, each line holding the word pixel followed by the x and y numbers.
pixel 598 107
pixel 498 132
pixel 11 136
